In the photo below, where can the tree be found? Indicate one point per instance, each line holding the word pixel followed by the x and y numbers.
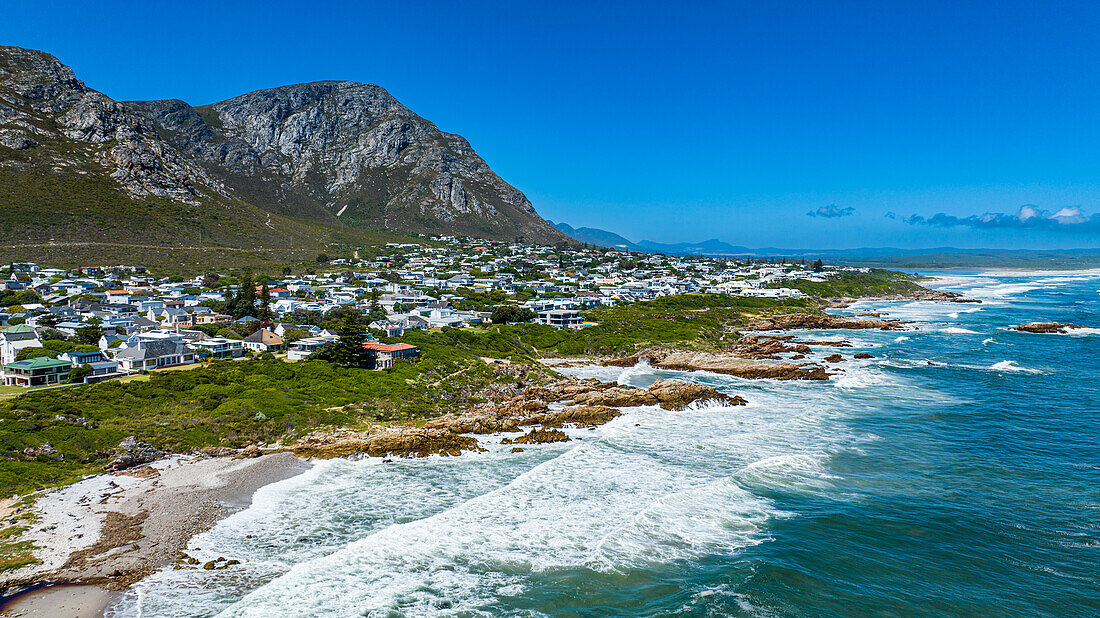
pixel 77 374
pixel 49 320
pixel 33 352
pixel 376 312
pixel 265 303
pixel 291 335
pixel 52 334
pixel 210 280
pixel 349 350
pixel 819 266
pixel 87 335
pixel 321 258
pixel 287 270
pixel 508 314
pixel 244 301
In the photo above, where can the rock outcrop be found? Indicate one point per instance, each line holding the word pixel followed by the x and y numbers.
pixel 538 436
pixel 588 403
pixel 131 453
pixel 399 441
pixel 704 361
pixel 349 150
pixel 1048 327
pixel 42 101
pixel 806 321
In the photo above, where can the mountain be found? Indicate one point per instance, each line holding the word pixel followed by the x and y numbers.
pixel 707 247
pixel 596 236
pixel 289 169
pixel 611 240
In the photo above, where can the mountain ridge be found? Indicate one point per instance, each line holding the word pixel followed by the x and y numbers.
pixel 314 157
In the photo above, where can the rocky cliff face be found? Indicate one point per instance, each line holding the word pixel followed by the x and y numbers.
pixel 327 151
pixel 43 104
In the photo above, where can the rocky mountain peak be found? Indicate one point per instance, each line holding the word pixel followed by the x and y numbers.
pixel 330 151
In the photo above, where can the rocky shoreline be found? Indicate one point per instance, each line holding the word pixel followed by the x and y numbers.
pixel 585 403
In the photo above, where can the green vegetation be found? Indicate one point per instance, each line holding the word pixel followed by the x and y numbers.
pixel 856 285
pixel 233 403
pixel 75 219
pixel 695 321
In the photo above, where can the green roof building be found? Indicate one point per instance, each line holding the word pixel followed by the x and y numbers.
pixel 41 371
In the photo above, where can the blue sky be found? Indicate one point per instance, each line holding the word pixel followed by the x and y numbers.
pixel 679 121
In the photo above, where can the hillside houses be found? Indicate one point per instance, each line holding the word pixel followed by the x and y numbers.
pixel 148 322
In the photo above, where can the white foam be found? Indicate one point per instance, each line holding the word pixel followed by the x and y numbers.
pixel 956 330
pixel 1011 366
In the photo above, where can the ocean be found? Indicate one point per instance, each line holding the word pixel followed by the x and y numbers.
pixel 955 473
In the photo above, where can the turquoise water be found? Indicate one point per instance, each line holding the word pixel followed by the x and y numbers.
pixel 956 473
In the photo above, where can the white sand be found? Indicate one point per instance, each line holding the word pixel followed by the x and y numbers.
pixel 155 510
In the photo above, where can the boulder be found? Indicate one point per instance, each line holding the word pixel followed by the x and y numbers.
pixel 540 436
pixel 130 453
pixel 588 415
pixel 677 394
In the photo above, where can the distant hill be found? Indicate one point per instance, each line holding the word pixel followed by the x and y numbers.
pixel 290 169
pixel 713 247
pixel 596 236
pixel 611 240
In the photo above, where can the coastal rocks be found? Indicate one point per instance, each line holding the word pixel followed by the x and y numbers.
pixel 493 420
pixel 677 394
pixel 588 403
pixel 130 453
pixel 616 396
pixel 588 415
pixel 704 361
pixel 834 358
pixel 764 347
pixel 862 355
pixel 799 321
pixel 1048 327
pixel 538 436
pixel 400 441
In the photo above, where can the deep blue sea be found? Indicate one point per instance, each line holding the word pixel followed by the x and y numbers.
pixel 955 474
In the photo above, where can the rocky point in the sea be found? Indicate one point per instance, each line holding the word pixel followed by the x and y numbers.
pixel 796 321
pixel 663 358
pixel 1048 327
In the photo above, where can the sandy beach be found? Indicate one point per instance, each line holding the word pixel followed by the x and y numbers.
pixel 107 531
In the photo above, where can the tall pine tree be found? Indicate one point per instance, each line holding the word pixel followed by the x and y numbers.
pixel 349 350
pixel 265 303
